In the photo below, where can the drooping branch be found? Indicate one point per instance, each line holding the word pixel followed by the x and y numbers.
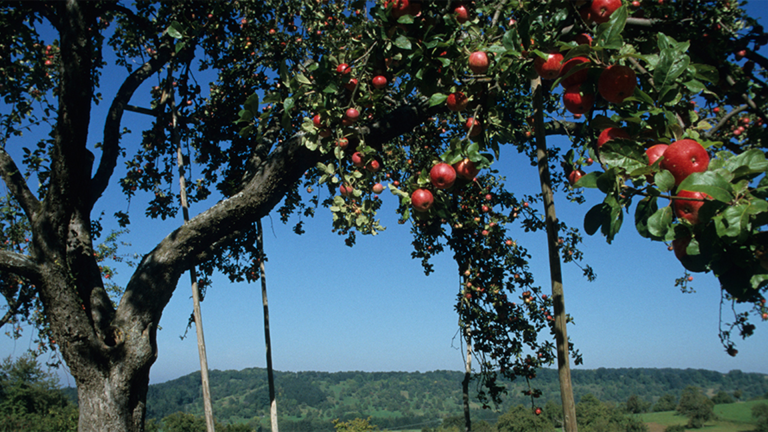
pixel 111 144
pixel 15 183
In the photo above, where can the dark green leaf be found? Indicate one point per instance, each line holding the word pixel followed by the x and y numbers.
pixel 706 72
pixel 645 208
pixel 595 218
pixel 606 182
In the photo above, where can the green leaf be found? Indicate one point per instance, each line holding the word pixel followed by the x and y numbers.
pixel 595 218
pixel 671 65
pixel 664 180
pixel 694 86
pixel 615 219
pixel 252 103
pixel 288 104
pixel 706 72
pixel 749 163
pixel 405 19
pixel 589 180
pixel 498 49
pixel 331 88
pixel 437 99
pixel 624 154
pixel 303 79
pixel 711 183
pixel 645 209
pixel 511 41
pixel 175 30
pixel 609 34
pixel 660 222
pixel 402 42
pixel 606 181
pixel 733 222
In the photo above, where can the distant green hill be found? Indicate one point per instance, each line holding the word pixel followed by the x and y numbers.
pixel 394 400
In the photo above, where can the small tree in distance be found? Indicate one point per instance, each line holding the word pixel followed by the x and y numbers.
pixel 696 406
pixel 667 402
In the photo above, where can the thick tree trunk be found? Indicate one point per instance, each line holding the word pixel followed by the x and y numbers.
pixel 113 401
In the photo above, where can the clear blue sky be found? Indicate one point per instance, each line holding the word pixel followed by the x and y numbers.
pixel 371 307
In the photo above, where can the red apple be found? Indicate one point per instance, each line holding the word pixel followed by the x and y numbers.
pixel 422 199
pixel 610 134
pixel 316 120
pixel 461 13
pixel 352 115
pixel 689 209
pixel 373 166
pixel 466 169
pixel 358 160
pixel 601 10
pixel 343 69
pixel 654 152
pixel 378 188
pixel 679 246
pixel 548 69
pixel 617 83
pixel 346 190
pixel 457 101
pixel 399 7
pixel 342 143
pixel 478 62
pixel 576 101
pixel 475 125
pixel 379 81
pixel 576 77
pixel 351 85
pixel 325 132
pixel 574 176
pixel 442 175
pixel 684 157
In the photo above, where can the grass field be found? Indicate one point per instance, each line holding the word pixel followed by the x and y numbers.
pixel 735 417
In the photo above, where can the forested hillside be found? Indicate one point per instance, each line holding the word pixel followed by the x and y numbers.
pixel 308 400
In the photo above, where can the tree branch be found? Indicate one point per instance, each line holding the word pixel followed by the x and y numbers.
pixel 111 144
pixel 17 186
pixel 154 281
pixel 20 265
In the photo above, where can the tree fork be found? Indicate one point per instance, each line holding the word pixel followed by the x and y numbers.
pixel 555 270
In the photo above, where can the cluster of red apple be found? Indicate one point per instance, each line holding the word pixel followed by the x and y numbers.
pixel 442 176
pixel 616 82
